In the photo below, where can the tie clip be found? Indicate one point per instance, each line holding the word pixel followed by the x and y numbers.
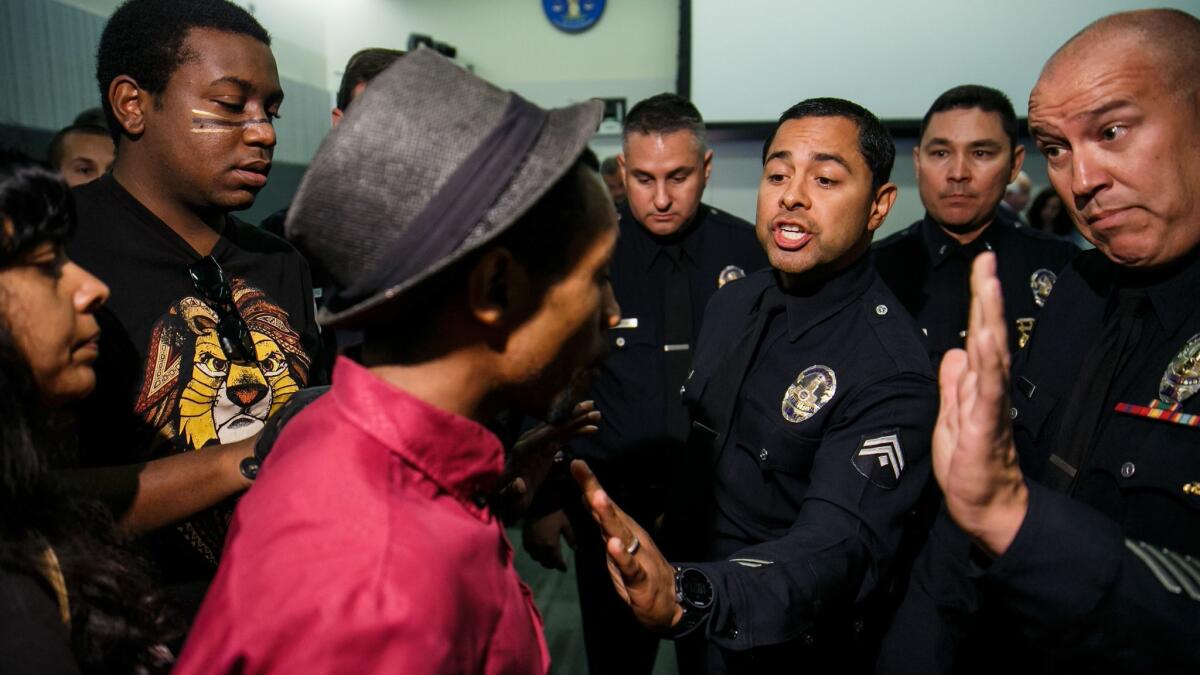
pixel 676 348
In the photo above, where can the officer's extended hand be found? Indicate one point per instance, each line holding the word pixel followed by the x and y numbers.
pixel 974 457
pixel 644 579
pixel 532 455
pixel 540 538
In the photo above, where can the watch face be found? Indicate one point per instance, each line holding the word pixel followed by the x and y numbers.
pixel 696 589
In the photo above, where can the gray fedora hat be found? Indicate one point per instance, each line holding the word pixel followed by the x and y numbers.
pixel 430 164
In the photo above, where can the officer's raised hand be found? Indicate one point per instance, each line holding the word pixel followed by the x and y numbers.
pixel 974 457
pixel 642 576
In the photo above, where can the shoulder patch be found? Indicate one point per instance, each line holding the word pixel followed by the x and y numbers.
pixel 880 459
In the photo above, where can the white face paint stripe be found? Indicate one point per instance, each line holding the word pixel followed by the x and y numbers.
pixel 205 113
pixel 226 130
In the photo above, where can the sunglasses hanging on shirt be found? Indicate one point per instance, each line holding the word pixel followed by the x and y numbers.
pixel 232 331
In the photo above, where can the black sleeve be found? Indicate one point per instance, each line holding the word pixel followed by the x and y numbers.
pixel 840 549
pixel 1075 584
pixel 33 638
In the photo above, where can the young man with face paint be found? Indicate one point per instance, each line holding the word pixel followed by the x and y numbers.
pixel 811 406
pixel 211 327
pixel 967 154
pixel 1073 483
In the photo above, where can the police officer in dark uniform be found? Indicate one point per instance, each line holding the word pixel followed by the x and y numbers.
pixel 812 402
pixel 967 155
pixel 674 252
pixel 1085 557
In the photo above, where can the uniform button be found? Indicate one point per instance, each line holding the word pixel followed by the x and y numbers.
pixel 1012 412
pixel 962 333
pixel 942 250
pixel 881 310
pixel 682 390
pixel 620 342
pixel 762 456
pixel 807 639
pixel 858 626
pixel 988 245
pixel 731 633
pixel 1128 469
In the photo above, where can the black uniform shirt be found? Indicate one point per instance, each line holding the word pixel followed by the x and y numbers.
pixel 1138 469
pixel 818 457
pixel 1104 578
pixel 930 273
pixel 632 447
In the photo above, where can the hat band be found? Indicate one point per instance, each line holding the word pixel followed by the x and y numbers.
pixel 457 208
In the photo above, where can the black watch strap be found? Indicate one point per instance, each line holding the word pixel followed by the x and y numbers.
pixel 695 609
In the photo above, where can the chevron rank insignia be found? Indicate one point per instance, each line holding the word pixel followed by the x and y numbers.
pixel 880 459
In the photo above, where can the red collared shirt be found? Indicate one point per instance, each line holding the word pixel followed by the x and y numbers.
pixel 362 548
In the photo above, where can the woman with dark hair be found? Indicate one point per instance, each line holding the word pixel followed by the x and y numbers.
pixel 71 599
pixel 1046 214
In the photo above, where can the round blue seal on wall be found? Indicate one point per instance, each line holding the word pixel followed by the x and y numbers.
pixel 573 16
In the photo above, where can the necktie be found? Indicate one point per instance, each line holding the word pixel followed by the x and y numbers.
pixel 1088 399
pixel 677 338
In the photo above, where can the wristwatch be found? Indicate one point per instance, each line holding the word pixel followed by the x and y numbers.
pixel 693 592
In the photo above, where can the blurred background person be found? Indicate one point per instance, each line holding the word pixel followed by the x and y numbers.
pixel 81 152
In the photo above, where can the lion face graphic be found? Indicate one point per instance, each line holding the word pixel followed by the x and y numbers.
pixel 195 396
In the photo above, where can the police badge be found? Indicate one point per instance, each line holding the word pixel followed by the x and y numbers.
pixel 1041 282
pixel 730 273
pixel 1182 377
pixel 1179 383
pixel 813 388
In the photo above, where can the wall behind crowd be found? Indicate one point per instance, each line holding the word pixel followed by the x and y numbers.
pixel 48 49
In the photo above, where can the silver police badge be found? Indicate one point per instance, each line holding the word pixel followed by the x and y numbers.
pixel 1182 377
pixel 813 388
pixel 730 273
pixel 1041 282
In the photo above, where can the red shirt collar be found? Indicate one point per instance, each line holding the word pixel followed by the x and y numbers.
pixel 459 455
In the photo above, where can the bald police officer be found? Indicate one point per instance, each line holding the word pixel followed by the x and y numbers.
pixel 1085 556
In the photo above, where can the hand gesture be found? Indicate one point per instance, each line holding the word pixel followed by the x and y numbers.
pixel 642 576
pixel 974 457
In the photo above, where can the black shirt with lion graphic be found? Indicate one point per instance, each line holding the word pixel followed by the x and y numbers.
pixel 164 384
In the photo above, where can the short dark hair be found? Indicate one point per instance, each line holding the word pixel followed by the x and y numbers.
pixel 54 151
pixel 144 39
pixel 967 96
pixel 92 117
pixel 874 141
pixel 364 66
pixel 664 114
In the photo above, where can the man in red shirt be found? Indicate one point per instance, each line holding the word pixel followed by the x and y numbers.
pixel 473 248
